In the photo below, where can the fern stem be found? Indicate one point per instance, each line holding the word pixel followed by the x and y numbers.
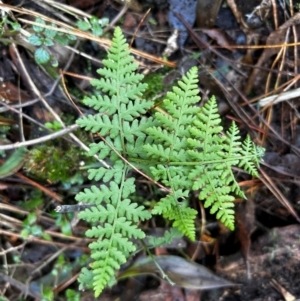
pixel 191 163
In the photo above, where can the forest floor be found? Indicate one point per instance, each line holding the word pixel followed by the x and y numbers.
pixel 247 55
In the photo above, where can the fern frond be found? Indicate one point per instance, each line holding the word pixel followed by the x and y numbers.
pixel 169 236
pixel 118 122
pixel 231 155
pixel 108 254
pixel 171 134
pixel 225 212
pixel 103 104
pixel 123 104
pixel 249 154
pixel 101 149
pixel 94 195
pixel 107 174
pixel 194 153
pixel 102 124
pixel 133 109
pixel 117 218
pixel 184 218
pixel 85 279
pixel 158 152
pixel 216 155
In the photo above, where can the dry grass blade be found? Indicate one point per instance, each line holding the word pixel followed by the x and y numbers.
pixel 64 28
pixel 277 193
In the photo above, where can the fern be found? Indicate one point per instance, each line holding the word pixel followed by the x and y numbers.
pixel 114 214
pixel 182 146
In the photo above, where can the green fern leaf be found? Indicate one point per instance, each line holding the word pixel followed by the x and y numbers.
pixel 216 155
pixel 103 104
pixel 94 195
pixel 249 154
pixel 85 279
pixel 117 225
pixel 176 211
pixel 113 209
pixel 157 152
pixel 101 149
pixel 169 236
pixel 107 174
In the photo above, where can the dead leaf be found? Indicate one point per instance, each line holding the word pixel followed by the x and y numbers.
pixel 220 36
pixel 181 272
pixel 9 92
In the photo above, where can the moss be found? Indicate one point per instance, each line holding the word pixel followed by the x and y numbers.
pixel 155 84
pixel 55 163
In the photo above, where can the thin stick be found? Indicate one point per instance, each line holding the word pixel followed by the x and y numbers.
pixel 62 132
pixel 71 208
